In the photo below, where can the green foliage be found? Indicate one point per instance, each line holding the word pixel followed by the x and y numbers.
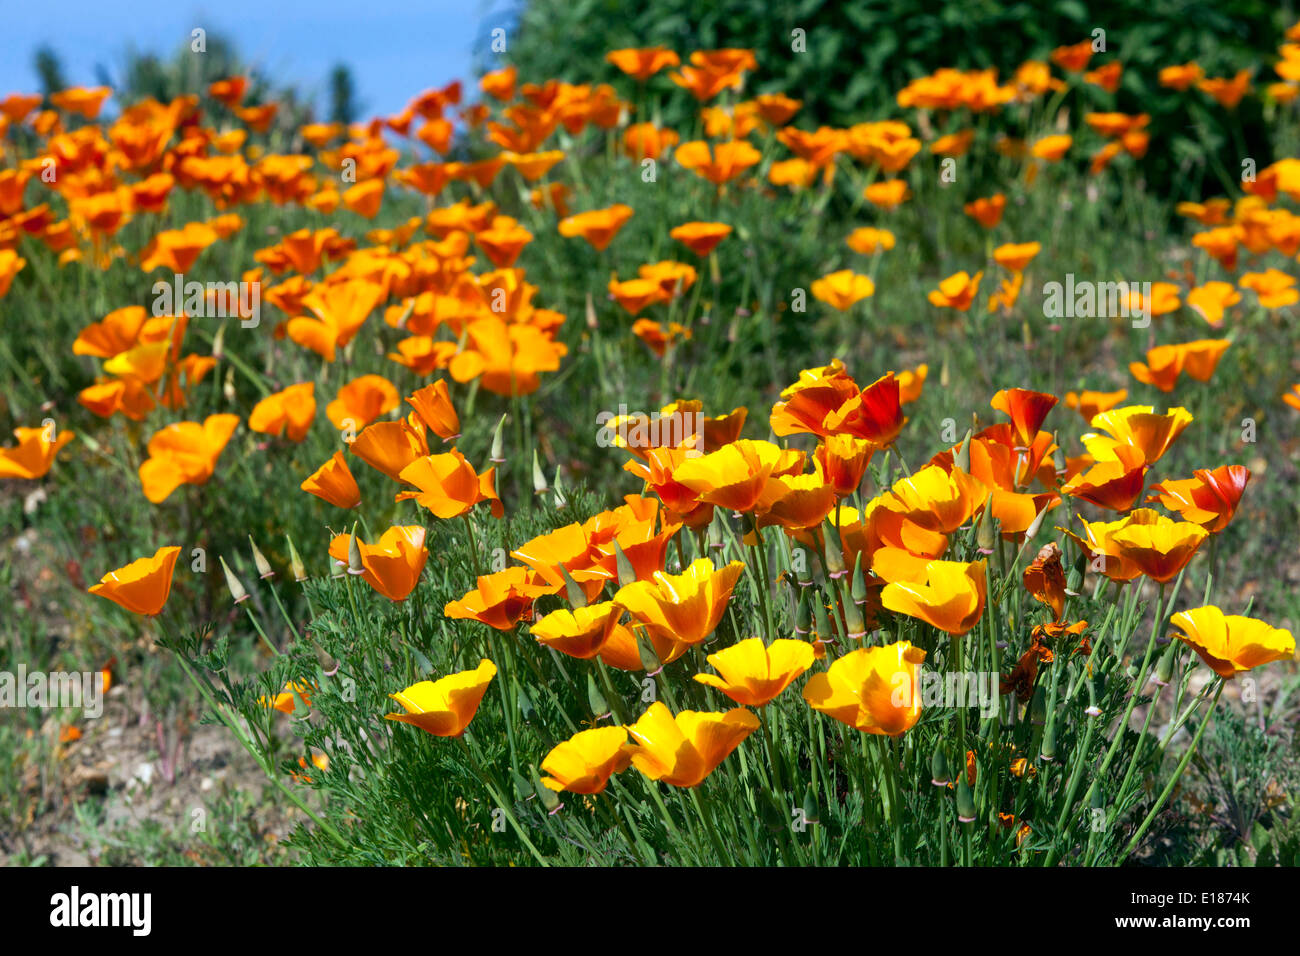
pixel 859 54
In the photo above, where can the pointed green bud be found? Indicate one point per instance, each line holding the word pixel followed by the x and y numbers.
pixel 539 480
pixel 595 699
pixel 966 812
pixel 626 573
pixel 498 454
pixel 236 589
pixel 560 499
pixel 355 564
pixel 296 567
pixel 591 314
pixel 859 590
pixel 834 555
pixel 649 656
pixel 940 772
pixel 803 618
pixel 264 569
pixel 1048 751
pixel 810 811
pixel 821 620
pixel 544 793
pixel 1165 669
pixel 986 534
pixel 577 597
pixel 961 457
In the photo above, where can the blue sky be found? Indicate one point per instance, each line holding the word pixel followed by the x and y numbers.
pixel 395 49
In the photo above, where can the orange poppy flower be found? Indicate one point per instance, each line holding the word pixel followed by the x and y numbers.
pixel 1027 409
pixel 1209 499
pixel 1051 148
pixel 598 227
pixel 1107 76
pixel 1016 256
pixel 1231 644
pixel 333 482
pixel 724 163
pixel 1166 362
pixel 679 611
pixel 701 237
pixel 1157 546
pixel 647 141
pixel 81 100
pixel 683 750
pixel 987 212
pixel 911 382
pixel 1091 404
pixel 449 486
pixel 1274 288
pixel 641 64
pixel 1113 482
pixel 844 460
pixel 950 595
pixel 735 475
pixel 585 762
pixel 143 586
pixel 341 308
pixel 635 295
pixel 876 690
pixel 1073 58
pixel 754 675
pixel 361 401
pixel 887 194
pixel 1180 77
pixel 288 412
pixel 580 633
pixel 1226 92
pixel 446 706
pixel 393 564
pixel 390 446
pixel 1139 427
pixel 868 241
pixel 433 404
pixel 957 291
pixel 500 600
pixel 184 453
pixel 32 457
pixel 841 290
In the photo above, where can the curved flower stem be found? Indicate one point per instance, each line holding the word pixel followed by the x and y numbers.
pixel 496 797
pixel 1178 773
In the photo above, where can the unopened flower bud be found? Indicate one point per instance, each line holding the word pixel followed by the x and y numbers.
pixel 236 589
pixel 264 569
pixel 355 564
pixel 498 454
pixel 940 772
pixel 540 486
pixel 296 566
